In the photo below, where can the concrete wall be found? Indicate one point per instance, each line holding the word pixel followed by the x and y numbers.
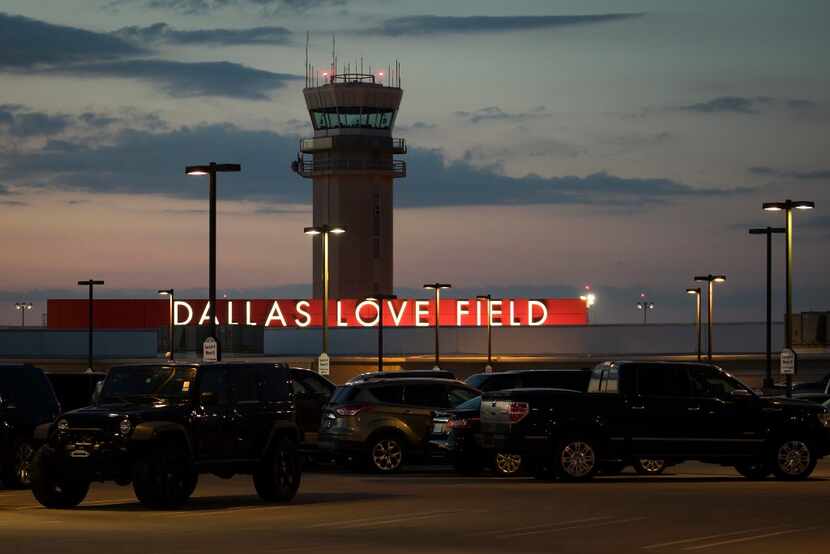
pixel 591 339
pixel 43 343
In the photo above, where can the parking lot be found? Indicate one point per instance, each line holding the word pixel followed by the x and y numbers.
pixel 693 507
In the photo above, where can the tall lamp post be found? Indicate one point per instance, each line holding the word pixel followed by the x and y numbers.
pixel 22 307
pixel 788 206
pixel 437 287
pixel 645 306
pixel 489 298
pixel 696 291
pixel 768 231
pixel 380 299
pixel 91 283
pixel 211 170
pixel 171 296
pixel 710 280
pixel 325 231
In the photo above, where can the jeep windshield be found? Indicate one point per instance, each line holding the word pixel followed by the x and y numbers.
pixel 142 383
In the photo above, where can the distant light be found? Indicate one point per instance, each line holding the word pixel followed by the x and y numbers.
pixel 692 291
pixel 197 172
pixel 590 299
pixel 719 279
pixel 380 74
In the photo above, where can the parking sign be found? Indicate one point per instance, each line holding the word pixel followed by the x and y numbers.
pixel 788 362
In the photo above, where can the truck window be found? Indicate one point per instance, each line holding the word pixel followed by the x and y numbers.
pixel 662 380
pixel 708 382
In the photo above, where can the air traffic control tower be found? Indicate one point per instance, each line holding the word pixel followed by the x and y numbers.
pixel 351 162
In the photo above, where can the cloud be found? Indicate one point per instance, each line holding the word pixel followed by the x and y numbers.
pixel 419 25
pixel 28 43
pixel 184 79
pixel 494 113
pixel 191 7
pixel 163 33
pixel 17 121
pixel 144 162
pixel 12 203
pixel 817 174
pixel 748 105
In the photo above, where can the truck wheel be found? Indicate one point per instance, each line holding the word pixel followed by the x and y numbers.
pixel 507 464
pixel 278 477
pixel 649 466
pixel 49 489
pixel 17 472
pixel 793 459
pixel 576 459
pixel 754 471
pixel 386 454
pixel 164 478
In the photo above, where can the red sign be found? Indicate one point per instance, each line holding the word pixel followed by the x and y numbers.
pixel 145 314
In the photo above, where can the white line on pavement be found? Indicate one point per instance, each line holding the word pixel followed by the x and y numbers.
pixel 545 525
pixel 570 527
pixel 373 521
pixel 753 538
pixel 708 537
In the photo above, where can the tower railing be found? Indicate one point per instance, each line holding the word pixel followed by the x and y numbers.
pixel 308 167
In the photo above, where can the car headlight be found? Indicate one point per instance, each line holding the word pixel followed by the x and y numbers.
pixel 824 419
pixel 63 425
pixel 125 426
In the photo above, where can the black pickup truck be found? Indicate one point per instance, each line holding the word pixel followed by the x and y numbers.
pixel 671 411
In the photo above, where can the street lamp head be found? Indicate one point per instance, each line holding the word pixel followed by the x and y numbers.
pixel 166 292
pixel 337 230
pixel 695 290
pixel 312 231
pixel 196 170
pixel 804 205
pixel 484 297
pixel 211 168
pixel 719 278
pixel 590 299
pixel 437 286
pixel 773 206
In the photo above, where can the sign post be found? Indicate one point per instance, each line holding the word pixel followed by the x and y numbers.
pixel 324 364
pixel 209 350
pixel 788 367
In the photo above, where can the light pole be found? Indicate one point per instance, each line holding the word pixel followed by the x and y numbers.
pixel 171 296
pixel 788 206
pixel 696 291
pixel 325 231
pixel 380 299
pixel 22 307
pixel 489 298
pixel 768 231
pixel 437 288
pixel 710 280
pixel 211 170
pixel 91 283
pixel 645 306
pixel 590 299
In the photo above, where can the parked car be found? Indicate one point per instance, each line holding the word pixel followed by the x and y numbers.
pixel 403 374
pixel 26 401
pixel 158 426
pixel 574 379
pixel 384 423
pixel 453 431
pixel 815 397
pixel 820 386
pixel 76 389
pixel 657 410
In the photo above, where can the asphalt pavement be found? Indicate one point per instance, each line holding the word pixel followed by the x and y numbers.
pixel 692 508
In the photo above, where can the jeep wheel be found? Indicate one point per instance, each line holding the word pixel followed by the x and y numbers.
pixel 793 459
pixel 386 454
pixel 278 477
pixel 576 459
pixel 17 473
pixel 507 464
pixel 164 477
pixel 649 466
pixel 50 490
pixel 754 471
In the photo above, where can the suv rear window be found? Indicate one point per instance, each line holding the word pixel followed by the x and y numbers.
pixel 344 394
pixel 392 394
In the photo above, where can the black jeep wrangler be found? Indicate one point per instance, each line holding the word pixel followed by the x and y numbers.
pixel 159 426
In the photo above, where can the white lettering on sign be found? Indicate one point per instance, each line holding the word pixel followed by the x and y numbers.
pixel 275 315
pixel 230 314
pixel 205 314
pixel 340 321
pixel 248 320
pixel 302 309
pixel 421 311
pixel 512 319
pixel 397 317
pixel 462 308
pixel 478 313
pixel 495 310
pixel 359 317
pixel 536 304
pixel 176 319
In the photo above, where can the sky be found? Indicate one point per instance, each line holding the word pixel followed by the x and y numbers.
pixel 625 144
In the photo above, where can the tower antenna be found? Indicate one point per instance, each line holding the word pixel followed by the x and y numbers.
pixel 307 37
pixel 333 54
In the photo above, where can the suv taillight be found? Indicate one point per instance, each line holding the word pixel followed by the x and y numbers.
pixel 518 411
pixel 461 423
pixel 352 410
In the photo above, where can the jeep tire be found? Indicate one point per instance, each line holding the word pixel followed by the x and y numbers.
pixel 164 477
pixel 17 470
pixel 51 490
pixel 278 476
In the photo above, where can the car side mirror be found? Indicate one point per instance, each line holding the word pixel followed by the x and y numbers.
pixel 208 399
pixel 96 392
pixel 741 393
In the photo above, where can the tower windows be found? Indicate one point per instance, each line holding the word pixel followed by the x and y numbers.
pixel 358 117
